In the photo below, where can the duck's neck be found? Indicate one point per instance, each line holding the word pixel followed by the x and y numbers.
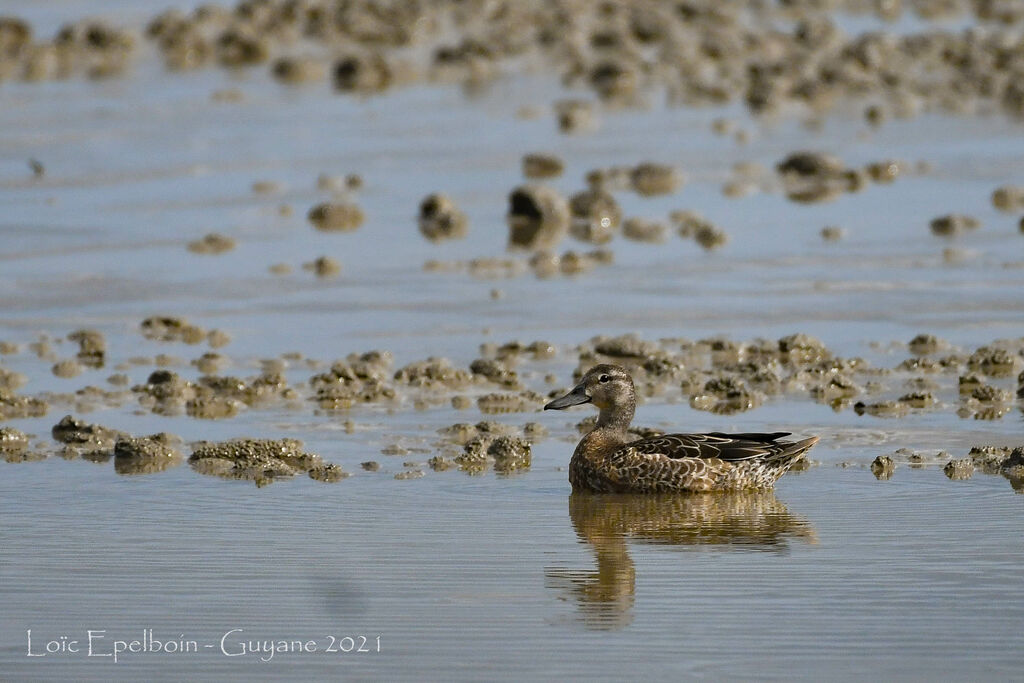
pixel 615 418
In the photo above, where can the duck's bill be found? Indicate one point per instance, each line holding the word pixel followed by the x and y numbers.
pixel 574 398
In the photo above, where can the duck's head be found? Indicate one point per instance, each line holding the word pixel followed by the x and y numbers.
pixel 609 387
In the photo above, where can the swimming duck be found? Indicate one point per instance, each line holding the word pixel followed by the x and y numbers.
pixel 610 460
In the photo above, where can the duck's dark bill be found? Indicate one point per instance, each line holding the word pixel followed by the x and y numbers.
pixel 574 398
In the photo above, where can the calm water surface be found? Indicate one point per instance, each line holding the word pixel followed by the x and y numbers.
pixel 835 576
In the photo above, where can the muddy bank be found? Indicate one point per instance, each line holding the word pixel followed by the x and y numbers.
pixel 717 375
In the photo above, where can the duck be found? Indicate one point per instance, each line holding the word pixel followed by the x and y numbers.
pixel 609 459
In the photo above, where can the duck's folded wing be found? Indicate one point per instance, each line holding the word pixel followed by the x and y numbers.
pixel 728 447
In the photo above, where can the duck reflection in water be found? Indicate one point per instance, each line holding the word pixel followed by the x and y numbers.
pixel 752 520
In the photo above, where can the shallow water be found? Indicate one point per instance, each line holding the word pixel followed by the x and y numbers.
pixel 836 576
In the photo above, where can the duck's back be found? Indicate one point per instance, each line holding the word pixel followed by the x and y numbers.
pixel 684 462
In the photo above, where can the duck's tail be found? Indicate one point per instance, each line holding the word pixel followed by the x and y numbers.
pixel 792 453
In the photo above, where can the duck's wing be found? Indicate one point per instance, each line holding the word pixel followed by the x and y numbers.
pixel 728 447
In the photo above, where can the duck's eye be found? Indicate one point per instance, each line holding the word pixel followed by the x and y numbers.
pixel 603 379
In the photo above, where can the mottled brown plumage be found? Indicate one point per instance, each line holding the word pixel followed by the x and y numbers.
pixel 609 460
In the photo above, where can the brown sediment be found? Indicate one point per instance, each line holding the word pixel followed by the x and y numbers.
pixel 1008 198
pixel 42 348
pixel 989 459
pixel 80 433
pixel 725 396
pixel 474 458
pixel 495 371
pixel 11 381
pixel 1000 460
pixel 146 455
pixel 362 73
pixel 545 264
pixel 218 338
pixel 614 80
pixel 772 57
pixel 968 383
pixel 959 469
pixel 814 177
pixel 494 268
pixel 298 69
pixel 642 230
pixel 92 347
pixel 328 473
pixel 649 179
pixel 165 360
pixel 164 392
pixel 539 166
pixel 12 441
pixel 534 431
pixel 13 406
pixel 994 361
pixel 884 171
pixel 433 373
pixel 323 267
pixel 918 399
pixel 803 348
pixel 240 46
pixel 883 467
pixel 67 369
pixel 611 179
pixel 925 344
pixel 574 263
pixel 952 225
pixel 258 460
pixel 874 115
pixel 595 216
pixel 462 433
pixel 956 255
pixel 890 409
pixel 510 453
pixel 212 243
pixel 439 463
pixel 357 379
pixel 211 407
pixel 575 116
pixel 736 189
pixel 715 373
pixel 687 223
pixel 495 403
pixel 335 217
pixel 440 219
pixel 267 187
pixel 541 350
pixel 339 184
pixel 836 388
pixel 986 393
pixel 832 233
pixel 210 363
pixel 171 329
pixel 538 217
pixel 710 237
